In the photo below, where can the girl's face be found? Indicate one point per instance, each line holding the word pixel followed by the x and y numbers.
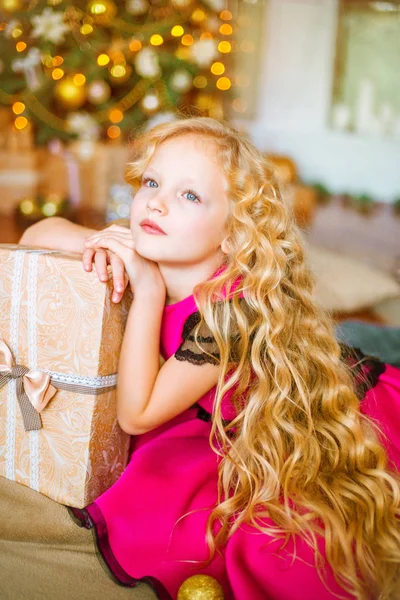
pixel 184 193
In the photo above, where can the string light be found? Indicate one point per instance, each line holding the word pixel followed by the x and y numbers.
pixel 200 81
pixel 187 39
pixel 226 29
pixel 86 29
pixel 217 68
pixel 103 60
pixel 113 132
pixel 21 122
pixel 226 15
pixel 223 83
pixel 198 16
pixel 26 207
pixel 206 35
pixel 156 40
pixel 57 61
pixel 18 108
pixel 97 8
pixel 116 115
pixel 177 31
pixel 79 79
pixel 57 74
pixel 224 47
pixel 16 32
pixel 118 71
pixel 20 46
pixel 49 209
pixel 135 45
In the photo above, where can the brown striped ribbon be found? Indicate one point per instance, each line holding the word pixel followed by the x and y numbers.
pixel 30 416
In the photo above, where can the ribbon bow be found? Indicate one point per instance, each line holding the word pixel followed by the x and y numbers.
pixel 34 389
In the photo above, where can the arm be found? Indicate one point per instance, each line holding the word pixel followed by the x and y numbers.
pixel 61 234
pixel 57 233
pixel 148 396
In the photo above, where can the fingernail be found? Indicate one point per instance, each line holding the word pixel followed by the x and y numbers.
pixel 104 277
pixel 115 298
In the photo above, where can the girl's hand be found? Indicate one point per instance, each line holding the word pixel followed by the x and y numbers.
pixel 115 244
pixel 101 258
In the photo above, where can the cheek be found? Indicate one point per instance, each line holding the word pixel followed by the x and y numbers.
pixel 136 208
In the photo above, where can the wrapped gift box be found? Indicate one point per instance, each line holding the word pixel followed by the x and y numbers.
pixel 60 334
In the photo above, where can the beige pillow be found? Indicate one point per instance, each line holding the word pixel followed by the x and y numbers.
pixel 345 284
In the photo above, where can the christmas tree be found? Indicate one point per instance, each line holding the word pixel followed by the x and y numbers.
pixel 99 68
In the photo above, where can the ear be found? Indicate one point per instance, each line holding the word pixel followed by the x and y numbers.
pixel 225 247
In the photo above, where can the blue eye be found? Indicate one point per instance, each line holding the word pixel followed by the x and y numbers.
pixel 149 183
pixel 192 197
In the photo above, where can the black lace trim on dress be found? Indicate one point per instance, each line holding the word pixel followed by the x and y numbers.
pixel 189 351
pixel 366 369
pixel 209 352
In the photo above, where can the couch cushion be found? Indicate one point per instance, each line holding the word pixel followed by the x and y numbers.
pixel 345 284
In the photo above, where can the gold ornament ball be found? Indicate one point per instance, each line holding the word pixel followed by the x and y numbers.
pixel 98 91
pixel 200 587
pixel 102 11
pixel 68 94
pixel 11 5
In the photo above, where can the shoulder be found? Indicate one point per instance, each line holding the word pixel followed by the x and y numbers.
pixel 198 342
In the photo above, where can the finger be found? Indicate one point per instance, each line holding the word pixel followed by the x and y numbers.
pixel 123 232
pixel 119 279
pixel 119 228
pixel 123 248
pixel 100 262
pixel 87 258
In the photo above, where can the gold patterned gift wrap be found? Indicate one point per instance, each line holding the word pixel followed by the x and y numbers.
pixel 60 337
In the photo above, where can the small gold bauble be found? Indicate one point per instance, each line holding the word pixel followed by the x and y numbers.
pixel 11 5
pixel 102 11
pixel 68 94
pixel 200 587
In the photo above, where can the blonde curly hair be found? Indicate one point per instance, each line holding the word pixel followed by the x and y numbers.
pixel 302 453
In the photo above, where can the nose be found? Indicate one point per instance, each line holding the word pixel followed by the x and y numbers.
pixel 157 204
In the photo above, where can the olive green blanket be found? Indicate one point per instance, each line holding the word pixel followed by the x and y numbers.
pixel 45 555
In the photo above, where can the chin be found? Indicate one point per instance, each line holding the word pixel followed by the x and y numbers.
pixel 148 251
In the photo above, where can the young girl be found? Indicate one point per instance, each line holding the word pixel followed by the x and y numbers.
pixel 260 456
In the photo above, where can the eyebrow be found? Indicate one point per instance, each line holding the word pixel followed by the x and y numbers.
pixel 187 181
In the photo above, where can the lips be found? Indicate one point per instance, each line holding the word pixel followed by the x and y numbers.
pixel 152 227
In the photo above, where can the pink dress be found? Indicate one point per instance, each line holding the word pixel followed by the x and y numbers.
pixel 150 525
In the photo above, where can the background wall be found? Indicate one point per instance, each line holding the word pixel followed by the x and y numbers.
pixel 295 87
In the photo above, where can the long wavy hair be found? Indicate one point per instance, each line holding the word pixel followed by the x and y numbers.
pixel 302 453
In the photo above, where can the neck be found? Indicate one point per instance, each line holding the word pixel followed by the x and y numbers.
pixel 180 280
